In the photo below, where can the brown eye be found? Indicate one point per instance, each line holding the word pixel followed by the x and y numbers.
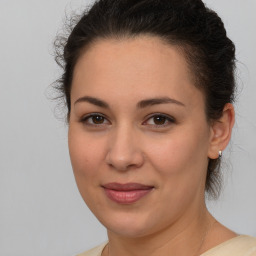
pixel 159 120
pixel 98 119
pixel 95 120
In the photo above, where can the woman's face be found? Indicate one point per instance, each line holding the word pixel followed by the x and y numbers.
pixel 138 136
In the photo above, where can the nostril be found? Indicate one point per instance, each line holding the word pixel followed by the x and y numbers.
pixel 124 152
pixel 124 162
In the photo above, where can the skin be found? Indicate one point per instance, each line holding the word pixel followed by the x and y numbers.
pixel 123 143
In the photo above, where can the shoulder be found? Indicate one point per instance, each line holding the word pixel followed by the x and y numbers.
pixel 241 245
pixel 96 251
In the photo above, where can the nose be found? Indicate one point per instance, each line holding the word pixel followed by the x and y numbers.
pixel 124 150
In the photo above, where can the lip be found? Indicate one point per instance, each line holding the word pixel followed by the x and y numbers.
pixel 127 193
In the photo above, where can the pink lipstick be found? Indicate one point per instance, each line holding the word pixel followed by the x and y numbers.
pixel 126 193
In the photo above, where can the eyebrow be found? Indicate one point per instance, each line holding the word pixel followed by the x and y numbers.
pixel 156 101
pixel 140 104
pixel 94 101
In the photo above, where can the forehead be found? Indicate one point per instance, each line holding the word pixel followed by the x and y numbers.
pixel 133 67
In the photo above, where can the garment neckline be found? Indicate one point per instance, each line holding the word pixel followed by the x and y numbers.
pixel 225 243
pixel 203 254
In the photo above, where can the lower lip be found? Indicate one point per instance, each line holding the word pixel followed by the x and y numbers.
pixel 126 197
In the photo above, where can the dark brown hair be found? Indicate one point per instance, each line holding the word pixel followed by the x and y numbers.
pixel 188 24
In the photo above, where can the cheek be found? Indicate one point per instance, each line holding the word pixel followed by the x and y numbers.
pixel 180 162
pixel 85 154
pixel 183 153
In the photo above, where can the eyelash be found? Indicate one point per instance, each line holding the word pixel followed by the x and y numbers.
pixel 167 120
pixel 85 119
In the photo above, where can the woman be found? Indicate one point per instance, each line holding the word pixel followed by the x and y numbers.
pixel 149 87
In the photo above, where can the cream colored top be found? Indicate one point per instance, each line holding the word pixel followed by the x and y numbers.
pixel 238 246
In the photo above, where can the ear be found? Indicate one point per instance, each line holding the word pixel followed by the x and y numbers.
pixel 221 130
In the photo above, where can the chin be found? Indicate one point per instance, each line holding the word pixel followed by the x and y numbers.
pixel 128 226
pixel 129 231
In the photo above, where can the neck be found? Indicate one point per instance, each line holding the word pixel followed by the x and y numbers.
pixel 183 237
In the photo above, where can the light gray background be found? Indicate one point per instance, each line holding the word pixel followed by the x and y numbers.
pixel 41 212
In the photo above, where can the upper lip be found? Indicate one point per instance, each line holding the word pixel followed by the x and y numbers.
pixel 126 186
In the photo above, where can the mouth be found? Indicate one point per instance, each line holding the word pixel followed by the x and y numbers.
pixel 126 193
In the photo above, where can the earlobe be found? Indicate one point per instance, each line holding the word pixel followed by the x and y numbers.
pixel 221 130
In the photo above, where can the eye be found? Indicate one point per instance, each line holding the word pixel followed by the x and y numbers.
pixel 94 119
pixel 159 120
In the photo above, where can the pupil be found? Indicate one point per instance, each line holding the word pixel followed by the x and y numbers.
pixel 98 119
pixel 159 120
